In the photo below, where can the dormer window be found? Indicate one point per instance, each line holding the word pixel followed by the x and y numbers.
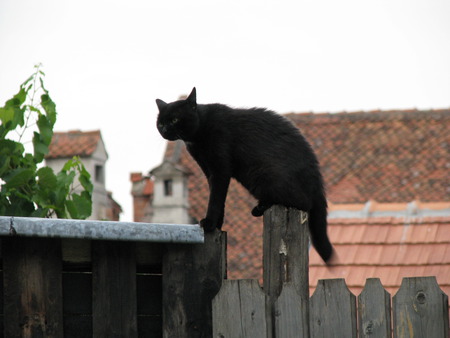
pixel 168 187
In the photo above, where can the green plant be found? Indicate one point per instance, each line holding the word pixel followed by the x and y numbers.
pixel 27 187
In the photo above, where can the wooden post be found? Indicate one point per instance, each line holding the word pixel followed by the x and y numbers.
pixel 285 260
pixel 32 287
pixel 114 309
pixel 192 276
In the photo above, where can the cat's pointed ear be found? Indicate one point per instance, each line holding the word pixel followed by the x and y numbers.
pixel 192 98
pixel 160 103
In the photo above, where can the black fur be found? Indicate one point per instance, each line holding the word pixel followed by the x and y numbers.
pixel 262 150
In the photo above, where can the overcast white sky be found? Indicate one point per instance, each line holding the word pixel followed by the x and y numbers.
pixel 107 61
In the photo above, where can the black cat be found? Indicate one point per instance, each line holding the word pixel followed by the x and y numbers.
pixel 262 150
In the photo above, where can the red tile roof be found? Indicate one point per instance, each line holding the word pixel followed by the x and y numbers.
pixel 390 157
pixel 73 143
pixel 147 189
pixel 386 248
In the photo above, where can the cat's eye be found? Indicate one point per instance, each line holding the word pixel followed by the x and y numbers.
pixel 175 120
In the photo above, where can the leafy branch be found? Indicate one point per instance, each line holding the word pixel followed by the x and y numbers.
pixel 27 187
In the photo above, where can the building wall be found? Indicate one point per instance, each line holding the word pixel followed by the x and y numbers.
pixel 170 200
pixel 170 208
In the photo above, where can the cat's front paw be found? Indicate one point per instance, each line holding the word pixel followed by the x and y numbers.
pixel 207 225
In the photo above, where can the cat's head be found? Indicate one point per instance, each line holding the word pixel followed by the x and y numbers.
pixel 178 119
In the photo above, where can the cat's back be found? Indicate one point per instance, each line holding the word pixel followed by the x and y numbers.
pixel 256 134
pixel 248 121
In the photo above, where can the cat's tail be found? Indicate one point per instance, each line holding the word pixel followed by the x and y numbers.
pixel 318 229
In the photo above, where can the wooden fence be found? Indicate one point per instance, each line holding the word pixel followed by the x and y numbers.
pixel 63 278
pixel 283 307
pixel 66 278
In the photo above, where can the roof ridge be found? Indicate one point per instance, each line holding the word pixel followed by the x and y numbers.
pixel 374 265
pixel 78 131
pixel 373 111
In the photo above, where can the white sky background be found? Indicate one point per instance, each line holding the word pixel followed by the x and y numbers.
pixel 107 61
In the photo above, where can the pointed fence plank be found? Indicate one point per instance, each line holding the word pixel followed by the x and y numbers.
pixel 285 257
pixel 420 309
pixel 289 321
pixel 332 310
pixel 239 310
pixel 374 310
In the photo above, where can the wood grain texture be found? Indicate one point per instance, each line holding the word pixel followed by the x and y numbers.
pixel 239 310
pixel 332 310
pixel 32 287
pixel 289 318
pixel 420 309
pixel 285 257
pixel 374 310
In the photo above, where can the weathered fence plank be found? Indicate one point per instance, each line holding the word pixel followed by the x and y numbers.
pixel 374 310
pixel 332 310
pixel 420 309
pixel 239 310
pixel 289 321
pixel 32 287
pixel 192 276
pixel 285 257
pixel 114 309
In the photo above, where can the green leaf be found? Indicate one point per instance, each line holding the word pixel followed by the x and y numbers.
pixel 49 107
pixel 72 209
pixel 17 206
pixel 72 163
pixel 28 80
pixel 81 207
pixel 18 178
pixel 14 110
pixel 45 127
pixel 6 114
pixel 46 178
pixel 11 148
pixel 34 109
pixel 40 148
pixel 4 164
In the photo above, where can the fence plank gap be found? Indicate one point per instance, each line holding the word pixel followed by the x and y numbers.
pixel 114 309
pixel 332 310
pixel 32 287
pixel 285 257
pixel 420 309
pixel 192 276
pixel 239 310
pixel 374 310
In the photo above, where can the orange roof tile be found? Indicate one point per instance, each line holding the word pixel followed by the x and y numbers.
pixel 73 143
pixel 412 249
